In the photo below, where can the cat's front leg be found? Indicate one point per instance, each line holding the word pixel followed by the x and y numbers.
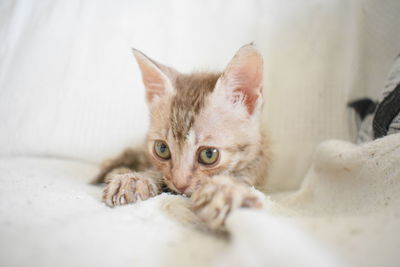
pixel 220 195
pixel 126 186
pixel 134 159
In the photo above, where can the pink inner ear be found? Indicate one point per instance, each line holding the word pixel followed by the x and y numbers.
pixel 153 78
pixel 154 85
pixel 244 75
pixel 249 100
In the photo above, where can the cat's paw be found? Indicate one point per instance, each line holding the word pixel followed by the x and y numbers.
pixel 128 187
pixel 214 200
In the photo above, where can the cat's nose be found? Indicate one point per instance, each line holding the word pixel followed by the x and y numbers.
pixel 181 187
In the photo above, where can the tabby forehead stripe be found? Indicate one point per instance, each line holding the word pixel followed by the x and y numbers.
pixel 187 103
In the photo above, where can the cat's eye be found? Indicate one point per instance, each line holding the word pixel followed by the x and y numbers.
pixel 162 150
pixel 208 155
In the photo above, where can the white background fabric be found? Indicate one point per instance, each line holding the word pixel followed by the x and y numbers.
pixel 69 88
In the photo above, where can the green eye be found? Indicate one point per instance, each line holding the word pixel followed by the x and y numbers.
pixel 162 150
pixel 208 156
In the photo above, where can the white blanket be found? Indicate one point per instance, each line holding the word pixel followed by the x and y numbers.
pixel 51 216
pixel 349 202
pixel 347 213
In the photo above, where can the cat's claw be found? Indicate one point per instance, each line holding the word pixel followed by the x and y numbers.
pixel 130 187
pixel 214 200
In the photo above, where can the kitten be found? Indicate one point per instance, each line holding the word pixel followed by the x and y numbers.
pixel 204 139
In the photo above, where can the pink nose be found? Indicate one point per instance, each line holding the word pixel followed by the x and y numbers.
pixel 181 187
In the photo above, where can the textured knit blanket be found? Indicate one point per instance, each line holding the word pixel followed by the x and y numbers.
pixel 346 212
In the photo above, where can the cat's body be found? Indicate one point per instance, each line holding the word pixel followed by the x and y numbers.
pixel 204 141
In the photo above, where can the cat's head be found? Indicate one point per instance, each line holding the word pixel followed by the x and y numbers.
pixel 203 124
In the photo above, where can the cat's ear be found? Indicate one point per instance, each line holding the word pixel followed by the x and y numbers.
pixel 242 80
pixel 157 78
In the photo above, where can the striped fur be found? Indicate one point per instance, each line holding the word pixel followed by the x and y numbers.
pixel 190 112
